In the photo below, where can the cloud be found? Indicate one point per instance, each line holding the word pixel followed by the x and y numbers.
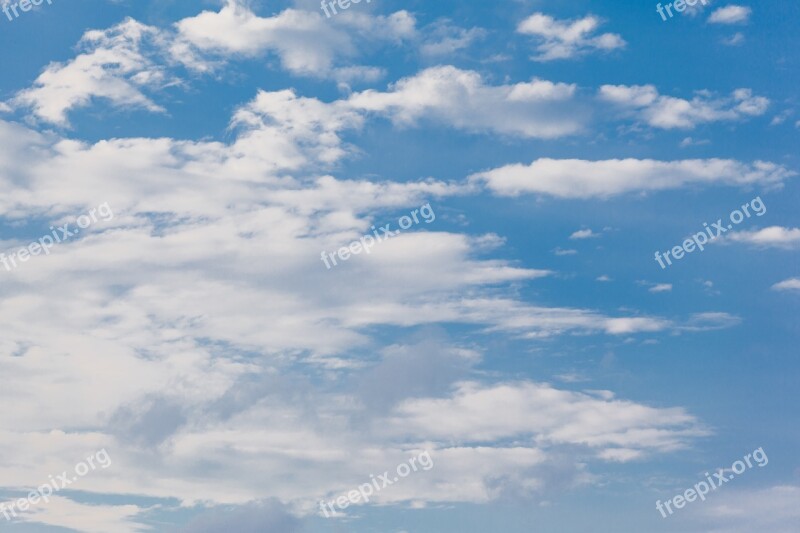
pixel 566 39
pixel 584 234
pixel 114 67
pixel 462 99
pixel 562 251
pixel 268 516
pixel 547 416
pixel 772 509
pixel 443 39
pixel 661 287
pixel 306 42
pixel 121 64
pixel 575 178
pixel 734 40
pixel 732 14
pixel 771 237
pixel 644 102
pixel 66 513
pixel 791 284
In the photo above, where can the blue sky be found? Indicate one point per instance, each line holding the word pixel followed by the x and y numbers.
pixel 526 338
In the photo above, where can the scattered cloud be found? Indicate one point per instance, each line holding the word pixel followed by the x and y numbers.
pixel 734 40
pixel 732 14
pixel 688 141
pixel 667 112
pixel 562 251
pixel 661 287
pixel 462 99
pixel 442 38
pixel 791 284
pixel 575 178
pixel 566 39
pixel 113 67
pixel 771 237
pixel 584 234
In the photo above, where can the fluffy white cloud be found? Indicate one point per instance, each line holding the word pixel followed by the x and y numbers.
pixel 575 178
pixel 771 237
pixel 547 416
pixel 66 513
pixel 463 100
pixel 114 67
pixel 306 42
pixel 644 102
pixel 791 284
pixel 565 39
pixel 584 234
pixel 732 14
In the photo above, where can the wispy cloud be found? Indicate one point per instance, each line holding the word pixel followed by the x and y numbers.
pixel 566 39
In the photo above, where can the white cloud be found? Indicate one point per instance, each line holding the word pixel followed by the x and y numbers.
pixel 442 39
pixel 734 40
pixel 565 39
pixel 772 509
pixel 584 234
pixel 66 513
pixel 688 141
pixel 732 14
pixel 307 43
pixel 661 287
pixel 546 416
pixel 462 99
pixel 575 178
pixel 562 251
pixel 666 112
pixel 114 68
pixel 791 284
pixel 771 237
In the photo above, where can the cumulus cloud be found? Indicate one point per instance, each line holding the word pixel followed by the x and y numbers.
pixel 732 14
pixel 547 416
pixel 113 67
pixel 791 284
pixel 305 41
pixel 584 234
pixel 566 39
pixel 186 320
pixel 575 178
pixel 644 103
pixel 771 237
pixel 462 99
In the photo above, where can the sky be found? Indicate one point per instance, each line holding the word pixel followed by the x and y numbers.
pixel 586 307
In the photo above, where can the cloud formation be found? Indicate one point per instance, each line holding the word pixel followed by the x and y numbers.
pixel 575 178
pixel 567 39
